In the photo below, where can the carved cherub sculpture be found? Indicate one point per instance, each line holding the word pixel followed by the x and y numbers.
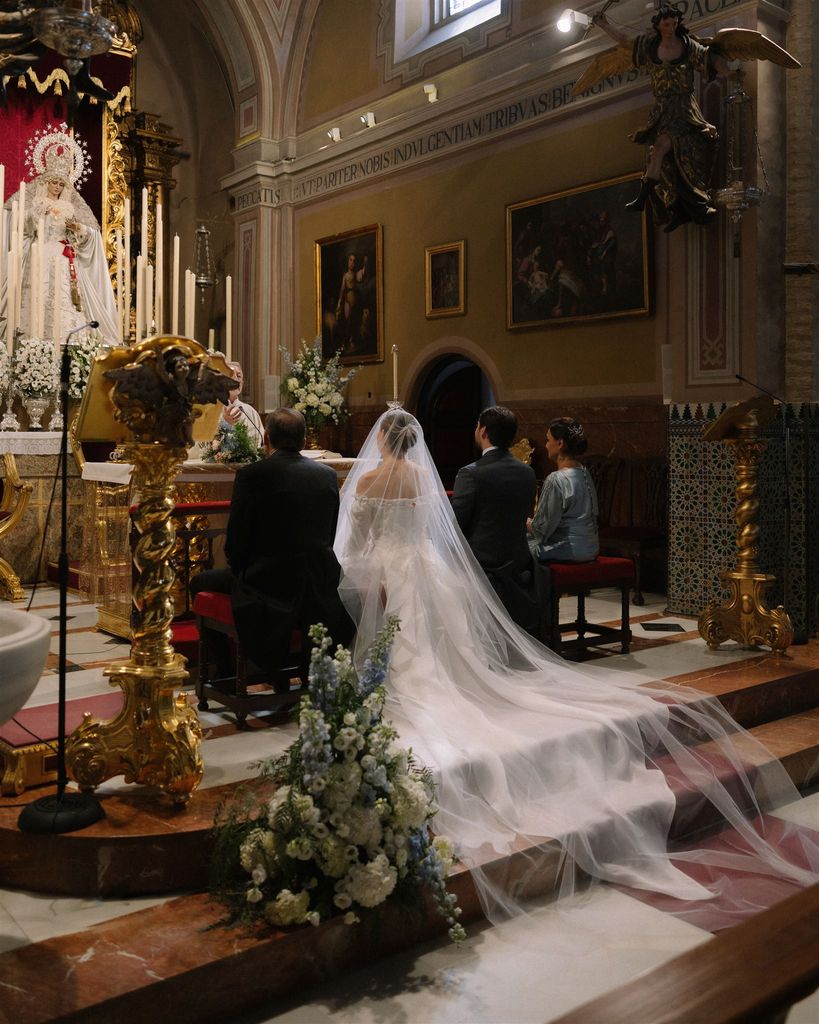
pixel 155 395
pixel 678 136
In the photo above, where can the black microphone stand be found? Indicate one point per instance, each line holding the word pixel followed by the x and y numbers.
pixel 799 635
pixel 63 812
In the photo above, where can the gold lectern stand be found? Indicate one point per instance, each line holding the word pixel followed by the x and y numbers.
pixel 745 616
pixel 147 398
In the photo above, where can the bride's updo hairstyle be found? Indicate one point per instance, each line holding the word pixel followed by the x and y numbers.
pixel 399 432
pixel 564 428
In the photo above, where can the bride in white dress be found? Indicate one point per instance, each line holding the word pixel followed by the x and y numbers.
pixel 576 772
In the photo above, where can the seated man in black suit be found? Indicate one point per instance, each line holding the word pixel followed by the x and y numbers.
pixel 492 499
pixel 283 573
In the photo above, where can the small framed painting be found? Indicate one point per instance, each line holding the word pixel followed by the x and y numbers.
pixel 445 275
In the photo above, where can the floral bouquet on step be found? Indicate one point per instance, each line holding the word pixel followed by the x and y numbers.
pixel 313 387
pixel 231 444
pixel 36 367
pixel 348 824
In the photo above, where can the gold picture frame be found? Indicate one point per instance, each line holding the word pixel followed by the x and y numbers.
pixel 350 294
pixel 444 279
pixel 577 256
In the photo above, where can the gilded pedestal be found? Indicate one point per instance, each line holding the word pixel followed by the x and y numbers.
pixel 745 615
pixel 155 739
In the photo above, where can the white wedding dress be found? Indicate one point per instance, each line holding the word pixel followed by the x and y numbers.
pixel 529 752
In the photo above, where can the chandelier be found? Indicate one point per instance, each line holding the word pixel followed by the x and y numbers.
pixel 71 27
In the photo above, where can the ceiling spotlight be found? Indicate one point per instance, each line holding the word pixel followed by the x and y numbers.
pixel 368 119
pixel 569 18
pixel 431 91
pixel 334 134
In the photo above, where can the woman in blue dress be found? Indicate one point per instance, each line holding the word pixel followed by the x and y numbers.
pixel 564 527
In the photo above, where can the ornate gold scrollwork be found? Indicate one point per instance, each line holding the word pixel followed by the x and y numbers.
pixel 156 737
pixel 745 615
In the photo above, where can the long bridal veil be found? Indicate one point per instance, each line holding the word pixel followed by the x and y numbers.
pixel 542 767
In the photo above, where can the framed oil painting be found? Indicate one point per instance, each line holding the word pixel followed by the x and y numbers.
pixel 577 255
pixel 444 277
pixel 349 295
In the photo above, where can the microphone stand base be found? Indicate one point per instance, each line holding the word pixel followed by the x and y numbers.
pixel 69 812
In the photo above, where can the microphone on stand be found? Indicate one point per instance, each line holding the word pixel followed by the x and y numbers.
pixel 64 812
pixel 800 635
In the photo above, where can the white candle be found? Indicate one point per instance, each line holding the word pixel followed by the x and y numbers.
pixel 42 276
pixel 228 318
pixel 175 287
pixel 211 339
pixel 120 282
pixel 140 297
pixel 22 222
pixel 395 373
pixel 150 328
pixel 3 220
pixel 160 255
pixel 13 264
pixel 10 306
pixel 143 242
pixel 2 184
pixel 126 333
pixel 34 288
pixel 55 292
pixel 188 305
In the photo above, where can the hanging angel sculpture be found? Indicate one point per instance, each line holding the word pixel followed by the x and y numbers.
pixel 676 177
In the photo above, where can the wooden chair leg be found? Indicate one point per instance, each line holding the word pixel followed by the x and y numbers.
pixel 638 598
pixel 202 676
pixel 625 624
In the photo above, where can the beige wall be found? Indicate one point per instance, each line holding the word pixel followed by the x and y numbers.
pixel 466 199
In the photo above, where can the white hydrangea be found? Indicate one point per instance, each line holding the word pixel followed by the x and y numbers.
pixel 410 803
pixel 364 827
pixel 370 884
pixel 36 367
pixel 288 908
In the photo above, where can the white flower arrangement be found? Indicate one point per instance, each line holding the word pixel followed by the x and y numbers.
pixel 36 367
pixel 83 351
pixel 314 388
pixel 5 370
pixel 349 822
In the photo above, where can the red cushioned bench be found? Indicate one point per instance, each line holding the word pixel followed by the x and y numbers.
pixel 578 579
pixel 213 613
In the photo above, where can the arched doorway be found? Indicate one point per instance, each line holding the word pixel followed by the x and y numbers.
pixel 452 395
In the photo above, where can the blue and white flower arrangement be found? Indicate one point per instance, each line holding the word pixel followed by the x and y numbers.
pixel 348 824
pixel 314 388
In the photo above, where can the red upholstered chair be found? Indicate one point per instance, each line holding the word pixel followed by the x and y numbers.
pixel 274 692
pixel 578 579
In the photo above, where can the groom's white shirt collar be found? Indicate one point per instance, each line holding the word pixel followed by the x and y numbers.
pixel 491 448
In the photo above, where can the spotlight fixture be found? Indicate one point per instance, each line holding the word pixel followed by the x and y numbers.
pixel 368 119
pixel 334 134
pixel 432 92
pixel 569 18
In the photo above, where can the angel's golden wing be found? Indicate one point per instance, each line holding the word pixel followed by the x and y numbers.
pixel 746 44
pixel 611 62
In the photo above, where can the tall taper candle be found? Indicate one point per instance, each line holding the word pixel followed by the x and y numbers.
pixel 127 268
pixel 175 287
pixel 2 184
pixel 55 297
pixel 42 273
pixel 395 373
pixel 120 282
pixel 143 241
pixel 189 310
pixel 140 296
pixel 21 226
pixel 211 339
pixel 150 326
pixel 160 256
pixel 10 306
pixel 228 318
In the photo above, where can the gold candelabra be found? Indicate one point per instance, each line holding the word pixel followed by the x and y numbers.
pixel 745 615
pixel 159 385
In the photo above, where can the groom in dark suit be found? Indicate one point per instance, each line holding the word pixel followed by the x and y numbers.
pixel 492 499
pixel 283 571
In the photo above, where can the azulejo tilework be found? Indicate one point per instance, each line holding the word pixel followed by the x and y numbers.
pixel 702 503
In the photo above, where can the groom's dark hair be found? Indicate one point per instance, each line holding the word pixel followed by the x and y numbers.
pixel 286 429
pixel 501 425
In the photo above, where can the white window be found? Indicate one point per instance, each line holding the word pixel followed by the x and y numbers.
pixel 422 24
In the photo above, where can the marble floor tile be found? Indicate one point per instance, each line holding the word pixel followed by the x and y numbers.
pixel 532 969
